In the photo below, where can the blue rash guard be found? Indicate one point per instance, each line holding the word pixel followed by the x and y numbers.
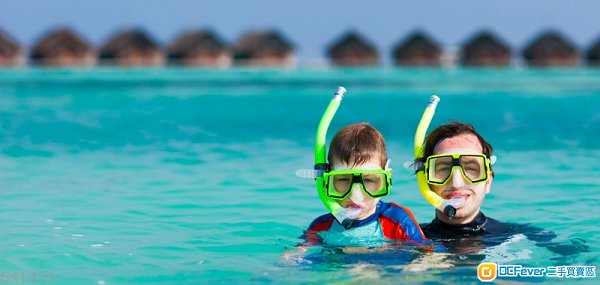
pixel 390 221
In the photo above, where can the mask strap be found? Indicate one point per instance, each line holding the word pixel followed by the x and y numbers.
pixel 493 159
pixel 387 164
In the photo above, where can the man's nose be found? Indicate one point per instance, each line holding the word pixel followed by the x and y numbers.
pixel 457 180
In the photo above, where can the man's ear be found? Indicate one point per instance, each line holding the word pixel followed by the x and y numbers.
pixel 488 185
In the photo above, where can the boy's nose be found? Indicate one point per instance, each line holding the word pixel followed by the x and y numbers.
pixel 457 180
pixel 357 195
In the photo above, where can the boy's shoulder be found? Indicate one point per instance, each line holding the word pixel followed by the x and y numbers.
pixel 322 222
pixel 396 212
pixel 398 222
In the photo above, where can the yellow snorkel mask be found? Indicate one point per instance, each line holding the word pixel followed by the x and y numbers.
pixel 474 168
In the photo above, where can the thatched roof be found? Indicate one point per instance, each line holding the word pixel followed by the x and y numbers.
pixel 485 49
pixel 62 47
pixel 10 51
pixel 269 47
pixel 352 50
pixel 418 49
pixel 198 48
pixel 551 49
pixel 592 56
pixel 131 47
pixel 8 45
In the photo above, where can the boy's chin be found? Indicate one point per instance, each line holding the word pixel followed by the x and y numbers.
pixel 366 212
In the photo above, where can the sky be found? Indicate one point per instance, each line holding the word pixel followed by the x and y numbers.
pixel 311 25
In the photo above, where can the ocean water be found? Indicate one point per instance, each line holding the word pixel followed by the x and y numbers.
pixel 186 176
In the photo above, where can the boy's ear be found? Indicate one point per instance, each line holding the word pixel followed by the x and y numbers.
pixel 391 171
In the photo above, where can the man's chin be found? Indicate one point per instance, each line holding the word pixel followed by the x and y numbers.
pixel 461 214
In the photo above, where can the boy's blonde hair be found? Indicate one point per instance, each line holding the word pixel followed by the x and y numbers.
pixel 356 144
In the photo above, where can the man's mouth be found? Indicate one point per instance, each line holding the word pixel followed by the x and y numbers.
pixel 458 193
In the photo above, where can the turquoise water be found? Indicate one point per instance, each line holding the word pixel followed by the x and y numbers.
pixel 181 176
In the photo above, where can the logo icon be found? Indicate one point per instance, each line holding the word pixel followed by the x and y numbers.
pixel 486 271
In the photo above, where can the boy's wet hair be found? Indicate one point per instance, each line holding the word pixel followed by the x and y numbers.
pixel 356 144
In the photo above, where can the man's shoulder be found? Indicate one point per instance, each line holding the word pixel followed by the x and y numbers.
pixel 494 226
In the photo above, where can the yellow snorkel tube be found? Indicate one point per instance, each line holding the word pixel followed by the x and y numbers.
pixel 343 215
pixel 448 207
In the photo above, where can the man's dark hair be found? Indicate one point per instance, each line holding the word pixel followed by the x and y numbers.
pixel 451 130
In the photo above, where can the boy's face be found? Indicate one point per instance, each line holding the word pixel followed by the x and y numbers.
pixel 357 198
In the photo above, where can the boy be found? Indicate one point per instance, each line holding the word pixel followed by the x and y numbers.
pixel 358 178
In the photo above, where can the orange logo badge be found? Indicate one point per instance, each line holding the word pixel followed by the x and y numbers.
pixel 487 271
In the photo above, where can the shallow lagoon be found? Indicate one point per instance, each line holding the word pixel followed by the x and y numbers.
pixel 187 176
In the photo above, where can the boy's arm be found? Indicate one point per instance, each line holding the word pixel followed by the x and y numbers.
pixel 311 237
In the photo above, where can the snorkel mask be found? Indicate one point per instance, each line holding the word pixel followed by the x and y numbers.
pixel 335 185
pixel 474 168
pixel 374 183
pixel 446 206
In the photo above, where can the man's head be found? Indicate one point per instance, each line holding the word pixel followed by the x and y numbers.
pixel 359 147
pixel 462 170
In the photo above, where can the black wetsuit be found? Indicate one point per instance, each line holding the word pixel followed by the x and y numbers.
pixel 485 232
pixel 481 225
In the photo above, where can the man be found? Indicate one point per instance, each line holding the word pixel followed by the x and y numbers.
pixel 458 163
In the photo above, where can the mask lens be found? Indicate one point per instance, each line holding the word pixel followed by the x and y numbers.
pixel 440 169
pixel 375 183
pixel 339 185
pixel 473 167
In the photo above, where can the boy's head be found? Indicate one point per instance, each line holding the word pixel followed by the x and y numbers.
pixel 360 150
pixel 356 144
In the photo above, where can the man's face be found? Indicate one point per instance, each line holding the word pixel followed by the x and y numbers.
pixel 357 198
pixel 458 185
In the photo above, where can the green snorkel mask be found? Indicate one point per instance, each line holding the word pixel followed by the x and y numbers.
pixel 448 207
pixel 334 185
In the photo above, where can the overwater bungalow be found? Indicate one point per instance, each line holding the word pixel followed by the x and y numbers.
pixel 10 51
pixel 485 49
pixel 198 48
pixel 62 47
pixel 418 49
pixel 551 49
pixel 263 48
pixel 352 49
pixel 592 56
pixel 132 47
